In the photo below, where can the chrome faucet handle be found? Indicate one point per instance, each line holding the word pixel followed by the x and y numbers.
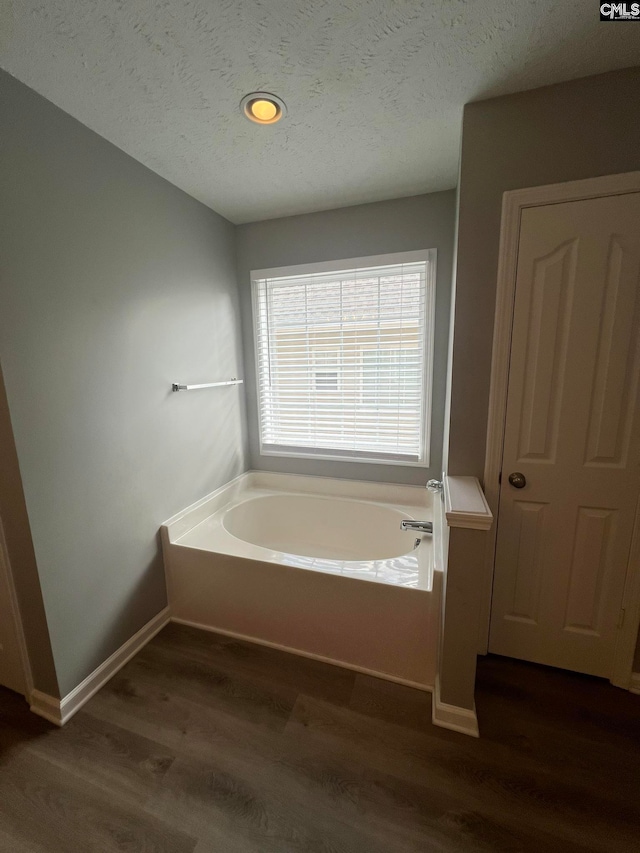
pixel 434 485
pixel 419 526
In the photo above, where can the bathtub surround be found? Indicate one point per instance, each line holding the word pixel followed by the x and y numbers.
pixel 402 225
pixel 266 558
pixel 114 285
pixel 307 575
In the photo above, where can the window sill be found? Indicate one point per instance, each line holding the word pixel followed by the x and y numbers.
pixel 337 457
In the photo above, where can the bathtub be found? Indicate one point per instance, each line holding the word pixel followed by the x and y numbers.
pixel 314 566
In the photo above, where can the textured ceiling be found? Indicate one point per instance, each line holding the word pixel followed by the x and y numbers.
pixel 374 88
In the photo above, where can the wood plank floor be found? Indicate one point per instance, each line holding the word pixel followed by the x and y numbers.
pixel 202 744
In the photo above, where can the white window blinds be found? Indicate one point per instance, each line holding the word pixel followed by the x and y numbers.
pixel 343 360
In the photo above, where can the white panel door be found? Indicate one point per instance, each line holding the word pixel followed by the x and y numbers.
pixel 573 431
pixel 12 672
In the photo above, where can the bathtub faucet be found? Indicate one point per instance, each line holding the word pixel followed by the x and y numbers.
pixel 422 526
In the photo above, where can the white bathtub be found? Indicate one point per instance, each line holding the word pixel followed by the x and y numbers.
pixel 314 566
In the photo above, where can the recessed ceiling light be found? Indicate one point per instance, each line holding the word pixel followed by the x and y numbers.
pixel 263 108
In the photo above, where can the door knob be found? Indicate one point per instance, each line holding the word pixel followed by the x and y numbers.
pixel 517 480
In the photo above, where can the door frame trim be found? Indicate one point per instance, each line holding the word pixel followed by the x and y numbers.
pixel 513 203
pixel 14 607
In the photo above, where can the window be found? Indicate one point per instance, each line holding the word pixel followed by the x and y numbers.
pixel 389 369
pixel 326 366
pixel 343 358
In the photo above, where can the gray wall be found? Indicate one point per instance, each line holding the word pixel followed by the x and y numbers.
pixel 402 225
pixel 574 130
pixel 113 284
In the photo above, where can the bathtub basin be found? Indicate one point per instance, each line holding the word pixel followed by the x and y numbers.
pixel 298 524
pixel 314 566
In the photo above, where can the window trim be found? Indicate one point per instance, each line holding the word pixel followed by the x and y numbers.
pixel 428 256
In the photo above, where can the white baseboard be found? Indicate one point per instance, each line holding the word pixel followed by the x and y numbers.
pixel 417 685
pixel 45 706
pixel 452 717
pixel 60 711
pixel 634 684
